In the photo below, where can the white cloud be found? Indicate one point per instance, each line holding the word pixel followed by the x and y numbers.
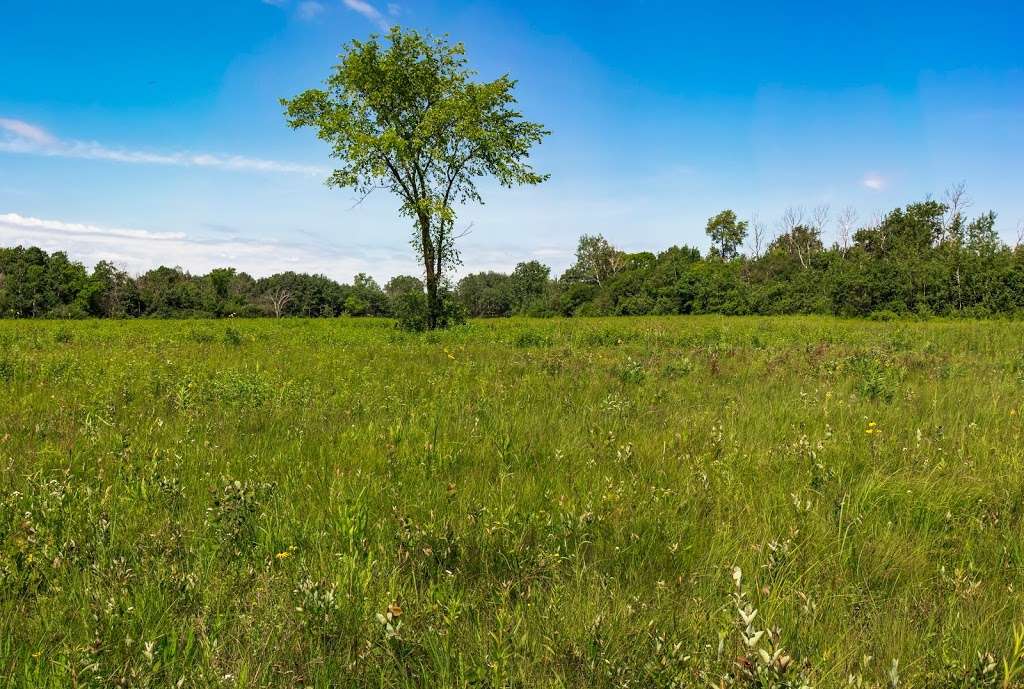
pixel 78 229
pixel 17 136
pixel 873 181
pixel 309 10
pixel 25 131
pixel 369 11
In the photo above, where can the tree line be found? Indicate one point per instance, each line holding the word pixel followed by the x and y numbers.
pixel 926 259
pixel 34 283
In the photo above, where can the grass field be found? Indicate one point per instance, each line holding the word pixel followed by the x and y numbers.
pixel 524 503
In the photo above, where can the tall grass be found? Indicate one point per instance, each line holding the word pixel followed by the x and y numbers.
pixel 657 502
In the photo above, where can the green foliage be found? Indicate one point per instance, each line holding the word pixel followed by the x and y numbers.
pixel 408 310
pixel 236 507
pixel 528 285
pixel 485 294
pixel 727 233
pixel 407 116
pixel 233 337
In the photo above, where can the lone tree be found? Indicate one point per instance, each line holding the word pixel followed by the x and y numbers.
pixel 406 116
pixel 727 234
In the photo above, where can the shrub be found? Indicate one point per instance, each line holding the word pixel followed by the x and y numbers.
pixel 883 315
pixel 409 310
pixel 63 335
pixel 232 337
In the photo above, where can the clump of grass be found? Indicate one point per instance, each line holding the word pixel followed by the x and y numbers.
pixel 232 337
pixel 63 335
pixel 532 338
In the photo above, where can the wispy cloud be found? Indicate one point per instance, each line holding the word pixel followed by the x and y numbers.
pixel 17 136
pixel 82 230
pixel 370 12
pixel 29 133
pixel 140 250
pixel 309 10
pixel 873 181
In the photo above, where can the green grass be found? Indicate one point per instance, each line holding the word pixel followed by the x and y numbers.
pixel 511 504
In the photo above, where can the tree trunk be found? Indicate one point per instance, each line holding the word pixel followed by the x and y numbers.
pixel 432 274
pixel 433 302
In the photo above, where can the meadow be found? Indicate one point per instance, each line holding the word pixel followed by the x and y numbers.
pixel 648 502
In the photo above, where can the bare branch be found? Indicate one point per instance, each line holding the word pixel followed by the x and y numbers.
pixel 846 223
pixel 359 201
pixel 792 217
pixel 758 234
pixel 279 297
pixel 464 233
pixel 820 217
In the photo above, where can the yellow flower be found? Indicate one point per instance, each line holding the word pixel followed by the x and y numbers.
pixel 283 554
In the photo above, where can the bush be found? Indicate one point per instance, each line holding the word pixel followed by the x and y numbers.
pixel 883 315
pixel 410 311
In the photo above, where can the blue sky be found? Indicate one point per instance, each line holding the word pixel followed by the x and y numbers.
pixel 149 133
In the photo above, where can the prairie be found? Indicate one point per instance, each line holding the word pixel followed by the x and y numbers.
pixel 514 503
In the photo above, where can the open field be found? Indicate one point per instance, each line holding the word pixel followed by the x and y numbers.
pixel 511 503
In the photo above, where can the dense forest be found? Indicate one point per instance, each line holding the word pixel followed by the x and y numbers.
pixel 925 259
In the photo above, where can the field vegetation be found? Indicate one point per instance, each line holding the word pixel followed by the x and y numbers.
pixel 630 502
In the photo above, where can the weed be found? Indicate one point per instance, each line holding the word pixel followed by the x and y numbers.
pixel 236 507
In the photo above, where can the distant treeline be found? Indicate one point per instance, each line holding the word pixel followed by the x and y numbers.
pixel 925 259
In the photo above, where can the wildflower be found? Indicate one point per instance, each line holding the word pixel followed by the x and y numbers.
pixel 872 429
pixel 283 555
pixel 752 640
